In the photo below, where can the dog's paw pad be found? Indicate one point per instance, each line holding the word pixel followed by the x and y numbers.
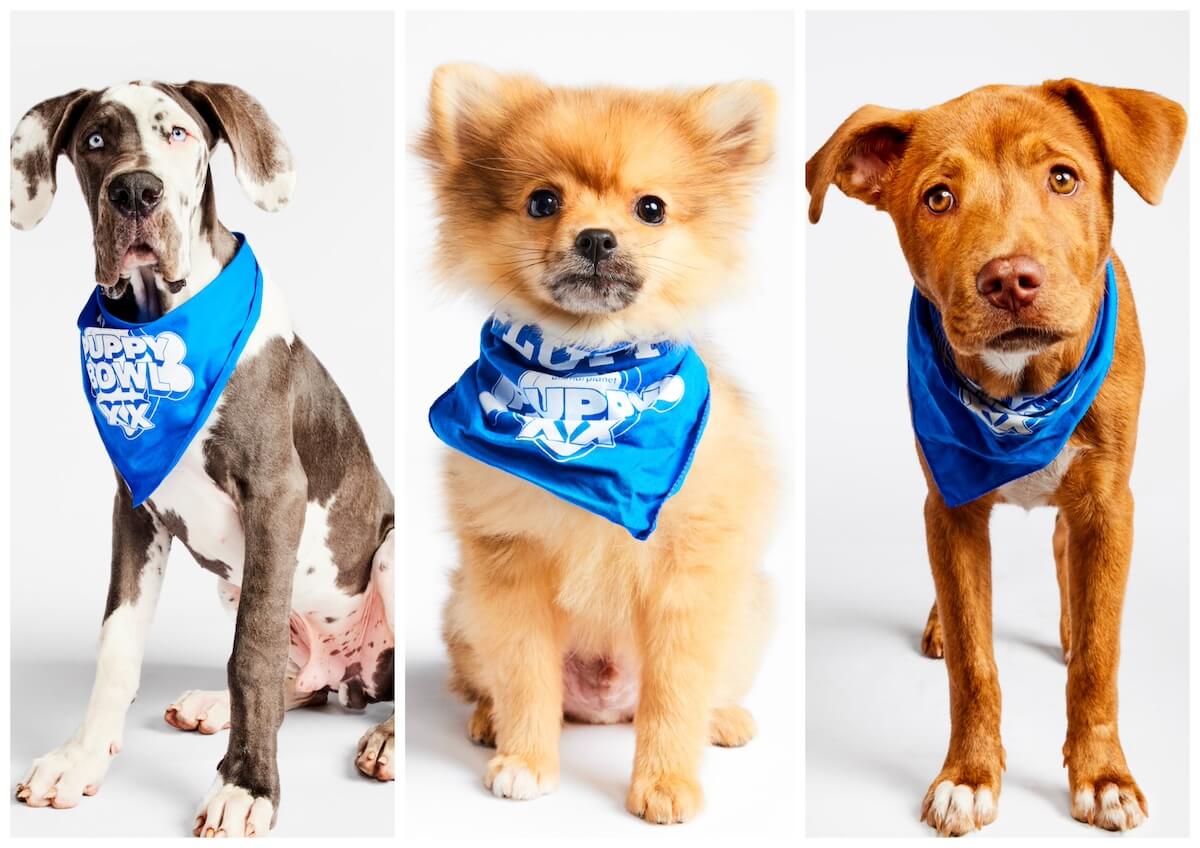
pixel 377 751
pixel 1110 806
pixel 232 811
pixel 955 809
pixel 511 776
pixel 731 727
pixel 664 800
pixel 205 712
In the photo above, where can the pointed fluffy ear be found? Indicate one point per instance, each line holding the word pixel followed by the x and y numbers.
pixel 858 157
pixel 741 119
pixel 1139 132
pixel 40 136
pixel 261 157
pixel 466 101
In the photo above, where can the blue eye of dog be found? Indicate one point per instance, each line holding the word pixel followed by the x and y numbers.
pixel 178 134
pixel 651 209
pixel 543 203
pixel 95 141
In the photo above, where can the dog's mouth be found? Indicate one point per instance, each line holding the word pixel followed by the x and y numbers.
pixel 1025 339
pixel 138 255
pixel 608 287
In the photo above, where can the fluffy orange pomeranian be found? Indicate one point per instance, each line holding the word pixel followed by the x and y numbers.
pixel 605 217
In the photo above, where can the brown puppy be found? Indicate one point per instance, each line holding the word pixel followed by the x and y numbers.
pixel 1002 199
pixel 555 610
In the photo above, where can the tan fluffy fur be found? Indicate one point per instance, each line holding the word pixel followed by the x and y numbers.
pixel 539 578
pixel 995 147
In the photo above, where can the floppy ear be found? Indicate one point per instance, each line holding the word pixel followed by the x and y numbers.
pixel 1139 132
pixel 40 136
pixel 261 158
pixel 858 157
pixel 741 119
pixel 465 102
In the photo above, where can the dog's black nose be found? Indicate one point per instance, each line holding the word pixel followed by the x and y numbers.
pixel 595 245
pixel 135 193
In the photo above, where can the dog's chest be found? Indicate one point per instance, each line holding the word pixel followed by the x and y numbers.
pixel 1038 488
pixel 204 517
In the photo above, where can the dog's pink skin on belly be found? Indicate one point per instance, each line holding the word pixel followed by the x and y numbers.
pixel 326 651
pixel 599 690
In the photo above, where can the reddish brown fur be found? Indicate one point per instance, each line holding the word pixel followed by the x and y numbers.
pixel 994 148
pixel 541 579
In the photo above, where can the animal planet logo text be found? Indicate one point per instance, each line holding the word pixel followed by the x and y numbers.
pixel 130 373
pixel 567 417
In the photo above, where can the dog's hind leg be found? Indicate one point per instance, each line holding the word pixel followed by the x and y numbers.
pixel 1064 597
pixel 139 558
pixel 931 639
pixel 376 756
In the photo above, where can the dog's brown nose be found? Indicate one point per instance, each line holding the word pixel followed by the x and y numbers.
pixel 1010 282
pixel 135 193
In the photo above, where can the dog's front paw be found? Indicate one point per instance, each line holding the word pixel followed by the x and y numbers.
pixel 377 751
pixel 1113 804
pixel 516 777
pixel 62 777
pixel 230 810
pixel 207 712
pixel 1103 792
pixel 955 808
pixel 667 799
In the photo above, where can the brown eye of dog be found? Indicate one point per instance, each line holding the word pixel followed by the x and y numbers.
pixel 1063 180
pixel 543 203
pixel 939 199
pixel 651 209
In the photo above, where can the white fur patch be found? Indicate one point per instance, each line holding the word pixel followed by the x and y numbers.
pixel 1036 489
pixel 315 585
pixel 28 211
pixel 270 196
pixel 273 322
pixel 508 777
pixel 1006 363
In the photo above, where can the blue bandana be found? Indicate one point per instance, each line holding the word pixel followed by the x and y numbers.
pixel 974 443
pixel 151 386
pixel 612 431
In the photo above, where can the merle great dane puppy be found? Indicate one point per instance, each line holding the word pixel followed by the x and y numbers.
pixel 277 495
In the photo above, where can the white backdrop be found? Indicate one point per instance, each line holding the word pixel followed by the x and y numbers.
pixel 331 252
pixel 748 791
pixel 877 711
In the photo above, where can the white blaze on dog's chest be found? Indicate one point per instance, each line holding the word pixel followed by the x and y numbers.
pixel 1037 488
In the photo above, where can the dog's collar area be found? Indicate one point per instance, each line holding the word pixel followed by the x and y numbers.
pixel 610 430
pixel 974 443
pixel 151 384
